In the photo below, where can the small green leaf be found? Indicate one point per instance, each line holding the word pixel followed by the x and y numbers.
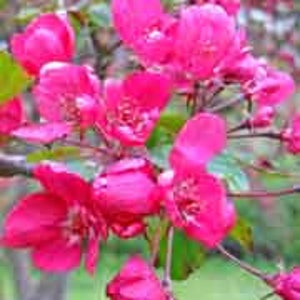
pixel 187 255
pixel 13 79
pixel 3 4
pixel 100 15
pixel 55 153
pixel 242 233
pixel 226 167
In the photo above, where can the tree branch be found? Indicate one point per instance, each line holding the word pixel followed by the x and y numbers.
pixel 12 165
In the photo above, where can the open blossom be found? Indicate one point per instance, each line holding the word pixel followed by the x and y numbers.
pixel 44 133
pixel 59 224
pixel 202 137
pixel 126 193
pixel 291 136
pixel 204 35
pixel 47 38
pixel 231 6
pixel 287 285
pixel 239 65
pixel 70 93
pixel 271 87
pixel 151 31
pixel 11 116
pixel 131 108
pixel 195 200
pixel 136 281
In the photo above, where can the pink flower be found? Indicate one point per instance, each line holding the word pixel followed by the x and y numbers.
pixel 271 87
pixel 231 6
pixel 131 108
pixel 151 31
pixel 195 201
pixel 136 281
pixel 48 38
pixel 263 117
pixel 11 116
pixel 44 133
pixel 126 193
pixel 67 92
pixel 204 35
pixel 239 65
pixel 58 224
pixel 287 285
pixel 291 135
pixel 202 137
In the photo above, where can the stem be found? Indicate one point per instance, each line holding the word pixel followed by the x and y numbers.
pixel 11 165
pixel 167 278
pixel 155 244
pixel 289 191
pixel 61 4
pixel 268 296
pixel 81 144
pixel 228 104
pixel 270 135
pixel 248 268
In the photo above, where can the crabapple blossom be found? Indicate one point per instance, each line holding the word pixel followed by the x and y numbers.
pixel 44 133
pixel 47 38
pixel 59 224
pixel 126 193
pixel 291 136
pixel 231 6
pixel 151 34
pixel 271 87
pixel 195 201
pixel 202 137
pixel 131 107
pixel 135 281
pixel 203 39
pixel 287 284
pixel 263 117
pixel 11 116
pixel 68 93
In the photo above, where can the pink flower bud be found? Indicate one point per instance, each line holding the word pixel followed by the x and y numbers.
pixel 262 118
pixel 291 135
pixel 48 38
pixel 287 285
pixel 136 281
pixel 126 192
pixel 11 116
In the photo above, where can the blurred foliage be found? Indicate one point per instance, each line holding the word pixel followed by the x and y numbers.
pixel 13 79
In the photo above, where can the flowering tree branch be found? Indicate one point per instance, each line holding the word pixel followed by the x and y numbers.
pixel 293 190
pixel 12 165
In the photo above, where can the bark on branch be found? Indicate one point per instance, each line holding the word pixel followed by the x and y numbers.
pixel 13 165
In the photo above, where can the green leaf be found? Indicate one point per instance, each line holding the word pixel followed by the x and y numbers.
pixel 3 4
pixel 187 255
pixel 172 122
pixel 55 153
pixel 100 15
pixel 13 79
pixel 242 233
pixel 226 167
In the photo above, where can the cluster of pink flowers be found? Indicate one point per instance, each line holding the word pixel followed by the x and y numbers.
pixel 70 217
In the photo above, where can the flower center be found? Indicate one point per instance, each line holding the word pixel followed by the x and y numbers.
pixel 79 225
pixel 70 110
pixel 129 117
pixel 187 198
